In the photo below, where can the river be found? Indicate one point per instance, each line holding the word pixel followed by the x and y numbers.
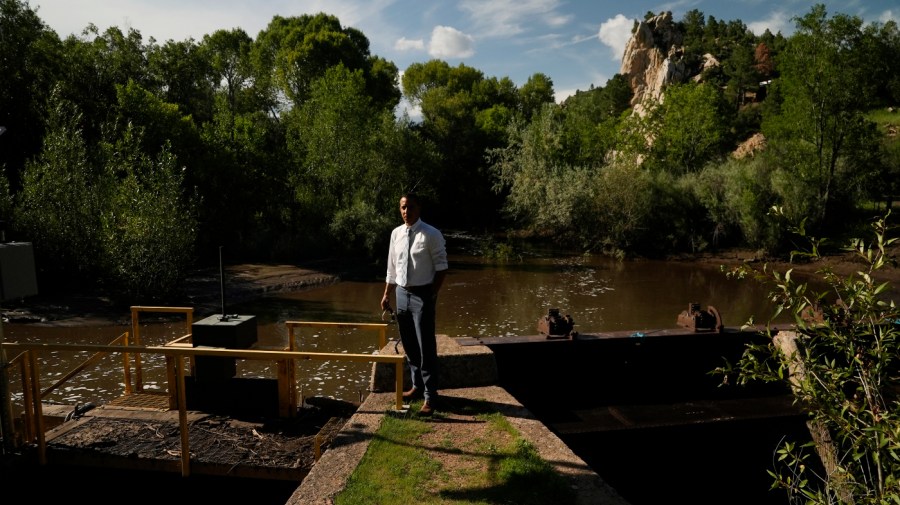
pixel 480 298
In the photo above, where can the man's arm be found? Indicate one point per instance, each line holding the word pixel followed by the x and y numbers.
pixel 438 282
pixel 388 293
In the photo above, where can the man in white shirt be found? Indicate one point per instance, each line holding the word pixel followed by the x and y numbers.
pixel 416 267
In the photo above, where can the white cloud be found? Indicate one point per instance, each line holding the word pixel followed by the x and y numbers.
pixel 504 18
pixel 615 33
pixel 557 20
pixel 405 44
pixel 414 113
pixel 778 21
pixel 889 15
pixel 448 42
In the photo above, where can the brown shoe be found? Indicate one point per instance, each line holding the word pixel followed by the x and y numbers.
pixel 426 410
pixel 412 394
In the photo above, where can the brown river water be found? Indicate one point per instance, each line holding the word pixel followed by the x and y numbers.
pixel 480 299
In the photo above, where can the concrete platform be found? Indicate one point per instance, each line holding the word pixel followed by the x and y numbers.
pixel 468 373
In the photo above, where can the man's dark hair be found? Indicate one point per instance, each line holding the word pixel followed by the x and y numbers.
pixel 412 197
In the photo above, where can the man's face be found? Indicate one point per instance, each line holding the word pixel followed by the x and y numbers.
pixel 409 210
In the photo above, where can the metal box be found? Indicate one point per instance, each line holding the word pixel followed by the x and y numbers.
pixel 17 274
pixel 230 332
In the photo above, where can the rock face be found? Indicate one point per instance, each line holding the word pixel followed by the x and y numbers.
pixel 750 147
pixel 653 59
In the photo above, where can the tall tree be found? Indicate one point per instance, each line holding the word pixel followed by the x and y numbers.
pixel 95 64
pixel 819 135
pixel 688 128
pixel 148 223
pixel 537 91
pixel 339 137
pixel 61 200
pixel 228 52
pixel 457 103
pixel 298 50
pixel 181 75
pixel 29 65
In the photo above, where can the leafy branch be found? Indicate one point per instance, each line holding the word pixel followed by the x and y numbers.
pixel 841 361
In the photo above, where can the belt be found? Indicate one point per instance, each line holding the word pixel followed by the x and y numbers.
pixel 419 290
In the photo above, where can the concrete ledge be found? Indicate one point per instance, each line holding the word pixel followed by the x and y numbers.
pixel 329 475
pixel 460 366
pixel 467 373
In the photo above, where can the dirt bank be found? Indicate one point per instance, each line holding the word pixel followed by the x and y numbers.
pixel 202 291
pixel 843 264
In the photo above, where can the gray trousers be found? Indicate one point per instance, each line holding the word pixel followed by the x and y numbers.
pixel 416 321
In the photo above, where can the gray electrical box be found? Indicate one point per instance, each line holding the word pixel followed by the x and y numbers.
pixel 17 274
pixel 229 332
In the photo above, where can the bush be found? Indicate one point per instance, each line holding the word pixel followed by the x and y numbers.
pixel 844 372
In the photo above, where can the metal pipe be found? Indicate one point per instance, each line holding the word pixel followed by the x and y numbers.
pixel 222 285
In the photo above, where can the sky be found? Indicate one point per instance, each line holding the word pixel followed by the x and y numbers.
pixel 576 43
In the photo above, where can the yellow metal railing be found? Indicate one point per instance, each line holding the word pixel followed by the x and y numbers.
pixel 287 372
pixel 31 390
pixel 136 312
pixel 381 328
pixel 176 355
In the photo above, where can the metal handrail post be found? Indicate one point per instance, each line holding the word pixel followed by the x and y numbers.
pixel 136 332
pixel 398 384
pixel 6 424
pixel 126 365
pixel 182 418
pixel 38 407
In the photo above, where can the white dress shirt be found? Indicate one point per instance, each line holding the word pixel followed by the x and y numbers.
pixel 415 254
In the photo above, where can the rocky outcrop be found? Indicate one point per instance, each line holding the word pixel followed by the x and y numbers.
pixel 653 59
pixel 709 62
pixel 750 147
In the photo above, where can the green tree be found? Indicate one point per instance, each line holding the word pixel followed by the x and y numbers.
pixel 161 123
pixel 298 50
pixel 818 130
pixel 529 169
pixel 231 72
pixel 148 225
pixel 461 112
pixel 883 48
pixel 737 195
pixel 537 91
pixel 687 128
pixel 61 200
pixel 29 65
pixel 95 64
pixel 741 72
pixel 334 136
pixel 592 118
pixel 181 75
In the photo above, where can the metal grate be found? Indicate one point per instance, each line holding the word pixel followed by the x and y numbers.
pixel 142 401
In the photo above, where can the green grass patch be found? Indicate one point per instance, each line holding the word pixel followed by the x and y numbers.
pixel 417 460
pixel 888 122
pixel 883 116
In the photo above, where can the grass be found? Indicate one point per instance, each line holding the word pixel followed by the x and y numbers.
pixel 886 121
pixel 432 461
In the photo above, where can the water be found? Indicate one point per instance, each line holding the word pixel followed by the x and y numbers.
pixel 479 299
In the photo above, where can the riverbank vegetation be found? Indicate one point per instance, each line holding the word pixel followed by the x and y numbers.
pixel 128 161
pixel 841 361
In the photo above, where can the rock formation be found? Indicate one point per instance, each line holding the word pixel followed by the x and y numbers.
pixel 750 147
pixel 653 59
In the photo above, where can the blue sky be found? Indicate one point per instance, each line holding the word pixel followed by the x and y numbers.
pixel 577 43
